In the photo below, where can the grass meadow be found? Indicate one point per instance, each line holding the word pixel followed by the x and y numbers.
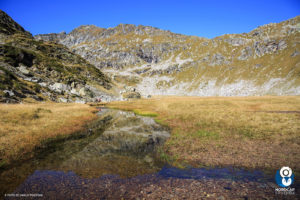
pixel 23 127
pixel 250 132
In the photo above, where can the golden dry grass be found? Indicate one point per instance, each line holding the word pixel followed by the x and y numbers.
pixel 250 132
pixel 24 126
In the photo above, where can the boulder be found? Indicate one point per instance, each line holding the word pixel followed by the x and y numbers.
pixel 23 69
pixel 43 84
pixel 9 93
pixel 63 100
pixel 86 92
pixel 59 87
pixel 74 91
pixel 82 92
pixel 73 85
pixel 33 79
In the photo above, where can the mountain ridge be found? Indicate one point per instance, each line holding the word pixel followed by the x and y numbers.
pixel 264 61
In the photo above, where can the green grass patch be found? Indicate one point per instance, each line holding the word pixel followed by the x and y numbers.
pixel 144 113
pixel 164 156
pixel 2 164
pixel 206 134
pixel 247 133
pixel 161 122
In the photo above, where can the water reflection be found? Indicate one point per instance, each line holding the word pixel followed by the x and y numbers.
pixel 69 185
pixel 123 145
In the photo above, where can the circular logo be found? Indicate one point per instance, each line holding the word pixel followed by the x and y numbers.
pixel 284 177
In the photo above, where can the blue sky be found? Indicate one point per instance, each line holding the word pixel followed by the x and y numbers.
pixel 206 18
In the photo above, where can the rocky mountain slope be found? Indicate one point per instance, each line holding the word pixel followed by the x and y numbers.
pixel 265 61
pixel 37 70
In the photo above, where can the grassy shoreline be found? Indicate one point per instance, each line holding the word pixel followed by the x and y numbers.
pixel 249 132
pixel 26 127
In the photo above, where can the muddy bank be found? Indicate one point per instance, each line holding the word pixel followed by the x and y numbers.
pixel 168 183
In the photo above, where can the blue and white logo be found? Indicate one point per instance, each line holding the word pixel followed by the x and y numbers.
pixel 284 177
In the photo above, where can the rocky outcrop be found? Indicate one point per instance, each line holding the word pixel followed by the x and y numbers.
pixel 36 70
pixel 53 37
pixel 246 53
pixel 109 53
pixel 267 47
pixel 131 95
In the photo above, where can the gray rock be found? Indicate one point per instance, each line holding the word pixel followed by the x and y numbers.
pixel 33 79
pixel 295 53
pixel 217 59
pixel 246 53
pixel 74 91
pixel 142 71
pixel 258 49
pixel 148 159
pixel 73 85
pixel 83 92
pixel 221 198
pixel 271 47
pixel 23 69
pixel 172 69
pixel 54 37
pixel 9 92
pixel 282 45
pixel 258 66
pixel 43 84
pixel 257 33
pixel 63 100
pixel 268 47
pixel 59 87
pixel 235 41
pixel 204 44
pixel 82 101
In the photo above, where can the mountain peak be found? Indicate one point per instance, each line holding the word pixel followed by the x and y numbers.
pixel 8 26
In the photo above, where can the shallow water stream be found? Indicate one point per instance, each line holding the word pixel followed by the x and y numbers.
pixel 117 160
